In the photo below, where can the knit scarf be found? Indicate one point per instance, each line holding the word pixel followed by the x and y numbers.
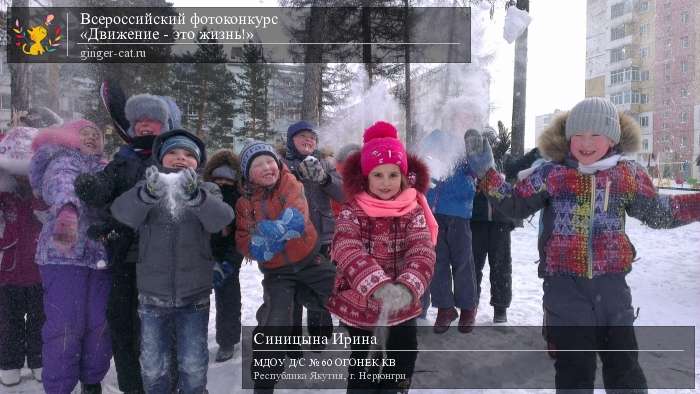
pixel 404 203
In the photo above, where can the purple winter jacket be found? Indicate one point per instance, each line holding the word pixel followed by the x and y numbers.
pixel 52 172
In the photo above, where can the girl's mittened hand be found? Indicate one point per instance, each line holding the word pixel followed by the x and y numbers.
pixel 65 230
pixel 478 151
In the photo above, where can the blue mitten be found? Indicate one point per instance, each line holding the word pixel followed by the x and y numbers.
pixel 222 271
pixel 260 249
pixel 271 230
pixel 293 222
pixel 478 150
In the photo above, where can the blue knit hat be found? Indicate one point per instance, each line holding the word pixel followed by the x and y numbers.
pixel 298 127
pixel 252 150
pixel 182 142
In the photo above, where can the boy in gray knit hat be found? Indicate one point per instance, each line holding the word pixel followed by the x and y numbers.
pixel 585 193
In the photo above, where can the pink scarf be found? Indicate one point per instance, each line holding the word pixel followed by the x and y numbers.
pixel 404 203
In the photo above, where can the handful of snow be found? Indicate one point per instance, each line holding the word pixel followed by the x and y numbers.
pixel 516 22
pixel 174 197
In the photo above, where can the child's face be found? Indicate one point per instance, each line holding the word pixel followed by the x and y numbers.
pixel 305 142
pixel 91 141
pixel 589 147
pixel 264 171
pixel 147 127
pixel 385 181
pixel 179 158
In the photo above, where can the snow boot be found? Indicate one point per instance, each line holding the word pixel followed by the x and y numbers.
pixel 500 314
pixel 10 377
pixel 94 388
pixel 224 353
pixel 36 373
pixel 444 318
pixel 466 320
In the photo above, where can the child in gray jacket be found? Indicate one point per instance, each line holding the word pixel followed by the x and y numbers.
pixel 175 215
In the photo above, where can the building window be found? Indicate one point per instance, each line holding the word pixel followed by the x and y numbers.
pixel 644 29
pixel 666 102
pixel 684 141
pixel 643 52
pixel 616 98
pixel 664 126
pixel 5 101
pixel 617 54
pixel 617 10
pixel 617 32
pixel 667 114
pixel 684 17
pixel 645 144
pixel 684 66
pixel 684 117
pixel 643 98
pixel 685 42
pixel 684 92
pixel 644 75
pixel 617 76
pixel 668 43
pixel 644 121
pixel 643 6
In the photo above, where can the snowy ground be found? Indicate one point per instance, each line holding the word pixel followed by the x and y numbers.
pixel 665 286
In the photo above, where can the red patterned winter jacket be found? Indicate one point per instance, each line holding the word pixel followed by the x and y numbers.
pixel 371 252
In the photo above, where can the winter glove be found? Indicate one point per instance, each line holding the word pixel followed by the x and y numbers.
pixel 310 169
pixel 155 187
pixel 189 183
pixel 65 229
pixel 222 271
pixel 263 249
pixel 84 185
pixel 478 152
pixel 394 297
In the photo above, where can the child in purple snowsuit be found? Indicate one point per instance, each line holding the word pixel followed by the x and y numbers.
pixel 73 267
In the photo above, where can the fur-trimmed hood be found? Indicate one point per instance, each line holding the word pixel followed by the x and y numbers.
pixel 220 158
pixel 355 183
pixel 554 145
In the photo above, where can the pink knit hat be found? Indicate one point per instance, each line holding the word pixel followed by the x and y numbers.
pixel 67 134
pixel 382 146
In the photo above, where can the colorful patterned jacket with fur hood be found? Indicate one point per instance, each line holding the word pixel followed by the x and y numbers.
pixel 371 252
pixel 582 224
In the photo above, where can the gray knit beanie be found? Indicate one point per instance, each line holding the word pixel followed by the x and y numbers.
pixel 594 114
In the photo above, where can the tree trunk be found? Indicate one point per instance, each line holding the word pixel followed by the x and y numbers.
pixel 313 67
pixel 20 77
pixel 202 109
pixel 410 131
pixel 366 23
pixel 519 89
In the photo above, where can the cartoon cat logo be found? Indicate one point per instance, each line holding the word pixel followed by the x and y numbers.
pixel 31 40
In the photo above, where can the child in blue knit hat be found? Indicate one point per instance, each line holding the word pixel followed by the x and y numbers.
pixel 175 215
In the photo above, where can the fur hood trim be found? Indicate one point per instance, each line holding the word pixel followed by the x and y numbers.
pixel 220 158
pixel 554 146
pixel 355 183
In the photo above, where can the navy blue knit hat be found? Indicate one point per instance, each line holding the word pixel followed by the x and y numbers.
pixel 182 142
pixel 252 150
pixel 298 127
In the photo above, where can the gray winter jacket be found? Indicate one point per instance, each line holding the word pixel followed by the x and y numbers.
pixel 175 259
pixel 319 196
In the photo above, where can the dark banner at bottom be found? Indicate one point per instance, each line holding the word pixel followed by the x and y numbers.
pixel 496 357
